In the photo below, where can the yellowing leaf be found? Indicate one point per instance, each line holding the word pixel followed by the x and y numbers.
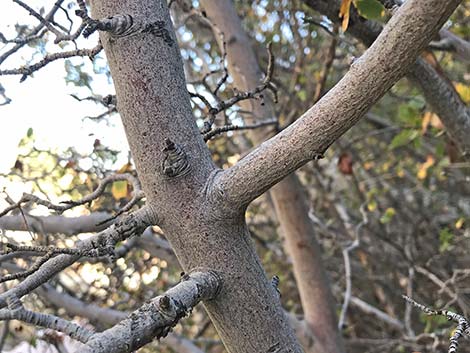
pixel 463 91
pixel 125 168
pixel 362 257
pixel 233 159
pixel 119 189
pixel 368 165
pixel 344 13
pixel 425 122
pixel 372 206
pixel 388 215
pixel 423 169
pixel 430 119
pixel 459 223
pixel 89 183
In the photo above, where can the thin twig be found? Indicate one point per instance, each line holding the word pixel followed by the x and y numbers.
pixel 220 130
pixel 66 205
pixel 463 324
pixel 25 71
pixel 347 265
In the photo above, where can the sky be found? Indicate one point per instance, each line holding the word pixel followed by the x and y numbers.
pixel 43 102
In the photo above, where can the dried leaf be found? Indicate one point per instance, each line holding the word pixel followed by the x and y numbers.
pixel 463 91
pixel 345 163
pixel 125 168
pixel 423 169
pixel 459 223
pixel 344 13
pixel 425 122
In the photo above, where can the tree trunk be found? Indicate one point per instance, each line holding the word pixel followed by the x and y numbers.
pixel 204 231
pixel 201 208
pixel 436 88
pixel 288 196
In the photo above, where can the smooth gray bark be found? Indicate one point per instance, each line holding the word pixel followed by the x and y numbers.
pixel 369 77
pixel 155 318
pixel 55 224
pixel 202 211
pixel 288 196
pixel 200 208
pixel 437 89
pixel 204 230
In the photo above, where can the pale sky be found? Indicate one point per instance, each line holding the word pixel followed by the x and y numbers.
pixel 43 102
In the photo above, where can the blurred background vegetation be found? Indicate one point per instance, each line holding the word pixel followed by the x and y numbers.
pixel 398 164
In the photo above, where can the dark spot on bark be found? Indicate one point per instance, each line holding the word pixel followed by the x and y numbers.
pixel 302 245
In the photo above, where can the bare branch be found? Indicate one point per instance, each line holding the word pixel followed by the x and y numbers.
pixel 369 309
pixel 463 324
pixel 104 242
pixel 55 224
pixel 138 195
pixel 36 33
pixel 16 311
pixel 347 265
pixel 255 93
pixel 44 22
pixel 438 91
pixel 157 318
pixel 25 71
pixel 226 128
pixel 368 79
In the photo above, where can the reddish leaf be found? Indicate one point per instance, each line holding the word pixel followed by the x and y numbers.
pixel 345 163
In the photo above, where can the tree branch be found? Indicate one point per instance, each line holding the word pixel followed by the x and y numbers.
pixel 386 61
pixel 130 225
pixel 437 89
pixel 463 324
pixel 156 319
pixel 16 311
pixel 56 224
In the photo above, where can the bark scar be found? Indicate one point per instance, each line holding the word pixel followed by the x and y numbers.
pixel 175 163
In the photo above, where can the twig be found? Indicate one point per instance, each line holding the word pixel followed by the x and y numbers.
pixel 256 93
pixel 347 265
pixel 379 314
pixel 220 130
pixel 46 23
pixel 37 32
pixel 66 205
pixel 222 60
pixel 16 311
pixel 409 293
pixel 34 267
pixel 101 244
pixel 463 324
pixel 25 71
pixel 330 56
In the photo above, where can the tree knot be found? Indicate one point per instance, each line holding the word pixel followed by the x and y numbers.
pixel 175 163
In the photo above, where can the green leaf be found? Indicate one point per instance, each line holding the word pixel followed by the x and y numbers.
pixel 370 9
pixel 302 95
pixel 403 138
pixel 388 215
pixel 445 239
pixel 30 132
pixel 409 115
pixel 119 189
